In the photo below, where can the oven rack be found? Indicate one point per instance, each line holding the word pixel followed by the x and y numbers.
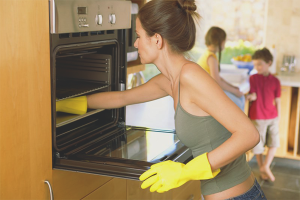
pixel 66 118
pixel 71 89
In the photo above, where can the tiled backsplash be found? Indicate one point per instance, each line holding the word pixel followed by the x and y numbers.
pixel 283 29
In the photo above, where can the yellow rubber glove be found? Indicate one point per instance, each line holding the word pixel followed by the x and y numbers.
pixel 77 105
pixel 168 174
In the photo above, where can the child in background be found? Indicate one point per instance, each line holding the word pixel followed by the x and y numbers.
pixel 264 97
pixel 215 40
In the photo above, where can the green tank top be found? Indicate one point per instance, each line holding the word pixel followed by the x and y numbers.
pixel 203 134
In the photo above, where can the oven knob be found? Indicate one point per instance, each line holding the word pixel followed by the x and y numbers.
pixel 99 19
pixel 112 18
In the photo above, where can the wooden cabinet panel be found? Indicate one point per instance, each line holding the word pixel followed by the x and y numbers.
pixel 115 189
pixel 188 191
pixel 297 128
pixel 135 192
pixel 74 185
pixel 25 113
pixel 284 120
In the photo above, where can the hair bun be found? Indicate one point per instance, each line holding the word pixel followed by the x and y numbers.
pixel 188 5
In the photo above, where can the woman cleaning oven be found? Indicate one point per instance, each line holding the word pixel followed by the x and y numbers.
pixel 206 120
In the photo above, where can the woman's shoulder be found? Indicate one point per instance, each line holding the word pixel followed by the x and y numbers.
pixel 191 72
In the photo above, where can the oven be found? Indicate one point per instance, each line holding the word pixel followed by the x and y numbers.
pixel 88 55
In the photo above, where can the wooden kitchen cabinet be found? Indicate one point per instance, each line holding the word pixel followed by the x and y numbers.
pixel 188 191
pixel 135 192
pixel 76 185
pixel 293 143
pixel 115 189
pixel 289 123
pixel 25 115
pixel 284 118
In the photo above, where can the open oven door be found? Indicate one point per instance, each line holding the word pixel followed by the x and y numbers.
pixel 122 151
pixel 125 153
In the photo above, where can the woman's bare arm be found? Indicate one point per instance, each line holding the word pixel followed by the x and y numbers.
pixel 214 71
pixel 155 88
pixel 207 95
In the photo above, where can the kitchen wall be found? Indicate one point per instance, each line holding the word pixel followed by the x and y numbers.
pixel 240 19
pixel 281 23
pixel 283 29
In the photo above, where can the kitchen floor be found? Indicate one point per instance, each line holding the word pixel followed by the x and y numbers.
pixel 287 183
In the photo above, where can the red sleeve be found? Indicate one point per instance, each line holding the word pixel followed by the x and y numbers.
pixel 278 89
pixel 252 85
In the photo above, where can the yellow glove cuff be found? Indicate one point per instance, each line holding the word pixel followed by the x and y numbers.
pixel 77 105
pixel 199 169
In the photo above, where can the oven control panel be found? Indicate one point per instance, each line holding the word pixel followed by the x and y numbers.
pixel 89 15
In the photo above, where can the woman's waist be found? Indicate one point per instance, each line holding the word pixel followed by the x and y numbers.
pixel 231 175
pixel 233 191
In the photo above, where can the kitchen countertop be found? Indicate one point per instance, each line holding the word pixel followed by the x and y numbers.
pixel 292 80
pixel 159 113
pixel 236 77
pixel 229 71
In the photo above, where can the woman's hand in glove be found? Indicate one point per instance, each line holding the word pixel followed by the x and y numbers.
pixel 77 105
pixel 168 174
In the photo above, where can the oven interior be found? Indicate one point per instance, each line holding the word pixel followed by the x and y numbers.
pixel 99 141
pixel 82 70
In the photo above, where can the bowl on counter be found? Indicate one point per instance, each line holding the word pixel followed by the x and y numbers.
pixel 243 65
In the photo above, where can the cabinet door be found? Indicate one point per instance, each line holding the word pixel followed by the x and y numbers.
pixel 115 189
pixel 284 118
pixel 188 191
pixel 134 192
pixel 25 118
pixel 74 185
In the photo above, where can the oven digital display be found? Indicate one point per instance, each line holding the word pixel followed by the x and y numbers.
pixel 82 10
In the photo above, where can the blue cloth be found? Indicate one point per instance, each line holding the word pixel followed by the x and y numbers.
pixel 239 101
pixel 255 193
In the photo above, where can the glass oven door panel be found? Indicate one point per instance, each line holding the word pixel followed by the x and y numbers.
pixel 125 153
pixel 142 145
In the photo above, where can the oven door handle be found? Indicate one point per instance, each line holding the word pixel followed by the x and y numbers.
pixel 50 189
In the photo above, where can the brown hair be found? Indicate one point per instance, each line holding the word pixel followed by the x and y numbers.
pixel 173 20
pixel 263 54
pixel 215 36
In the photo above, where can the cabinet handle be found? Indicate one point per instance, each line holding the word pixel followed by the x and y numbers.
pixel 50 189
pixel 191 197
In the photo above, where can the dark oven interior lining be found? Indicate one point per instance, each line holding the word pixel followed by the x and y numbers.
pixel 80 134
pixel 78 72
pixel 82 74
